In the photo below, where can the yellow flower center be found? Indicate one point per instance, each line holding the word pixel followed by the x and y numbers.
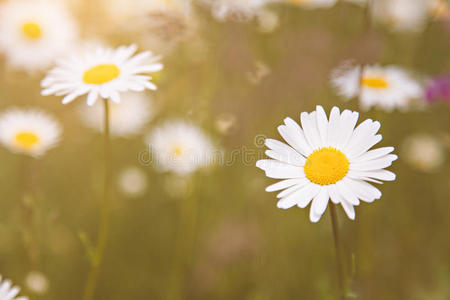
pixel 32 30
pixel 177 150
pixel 26 140
pixel 326 166
pixel 374 82
pixel 101 74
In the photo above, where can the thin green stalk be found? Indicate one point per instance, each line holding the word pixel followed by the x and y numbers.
pixel 105 213
pixel 339 264
pixel 184 246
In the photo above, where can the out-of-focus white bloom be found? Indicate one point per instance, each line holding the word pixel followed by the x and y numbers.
pixel 327 159
pixel 312 3
pixel 126 118
pixel 423 152
pixel 33 33
pixel 237 10
pixel 132 181
pixel 30 132
pixel 37 282
pixel 384 87
pixel 401 15
pixel 226 123
pixel 104 73
pixel 268 20
pixel 180 147
pixel 8 291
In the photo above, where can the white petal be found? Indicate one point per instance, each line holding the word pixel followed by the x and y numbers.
pixel 375 164
pixel 335 197
pixel 320 202
pixel 295 139
pixel 288 191
pixel 322 124
pixel 333 127
pixel 346 193
pixel 376 174
pixel 363 138
pixel 349 209
pixel 283 184
pixel 313 216
pixel 372 154
pixel 307 193
pixel 310 130
pixel 347 124
pixel 279 170
pixel 363 190
pixel 92 97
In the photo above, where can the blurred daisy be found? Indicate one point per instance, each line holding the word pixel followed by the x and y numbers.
pixel 33 33
pixel 424 152
pixel 236 10
pixel 37 282
pixel 30 132
pixel 385 87
pixel 401 15
pixel 312 3
pixel 8 291
pixel 180 147
pixel 127 118
pixel 132 181
pixel 327 159
pixel 104 73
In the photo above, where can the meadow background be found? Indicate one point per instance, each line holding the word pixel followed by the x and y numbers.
pixel 237 83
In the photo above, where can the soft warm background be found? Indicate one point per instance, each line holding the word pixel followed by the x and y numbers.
pixel 245 248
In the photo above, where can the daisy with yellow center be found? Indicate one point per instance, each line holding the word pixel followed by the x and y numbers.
pixel 384 87
pixel 104 73
pixel 34 33
pixel 30 132
pixel 327 159
pixel 180 147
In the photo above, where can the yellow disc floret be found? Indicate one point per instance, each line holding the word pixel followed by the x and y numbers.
pixel 374 82
pixel 32 30
pixel 101 74
pixel 326 166
pixel 26 140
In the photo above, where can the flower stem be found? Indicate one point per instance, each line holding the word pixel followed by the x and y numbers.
pixel 105 214
pixel 340 273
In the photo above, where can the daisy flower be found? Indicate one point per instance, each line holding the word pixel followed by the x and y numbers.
pixel 33 33
pixel 327 159
pixel 132 181
pixel 8 291
pixel 126 118
pixel 385 87
pixel 103 73
pixel 30 131
pixel 236 9
pixel 424 152
pixel 312 3
pixel 180 147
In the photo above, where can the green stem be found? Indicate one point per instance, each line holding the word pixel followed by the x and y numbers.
pixel 184 245
pixel 105 214
pixel 339 264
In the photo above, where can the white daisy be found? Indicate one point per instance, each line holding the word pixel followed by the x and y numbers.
pixel 37 282
pixel 8 291
pixel 29 131
pixel 180 147
pixel 236 9
pixel 132 181
pixel 33 33
pixel 312 3
pixel 424 152
pixel 127 118
pixel 385 87
pixel 106 73
pixel 327 159
pixel 401 15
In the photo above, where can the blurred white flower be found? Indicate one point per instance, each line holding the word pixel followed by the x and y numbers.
pixel 384 87
pixel 28 131
pixel 236 10
pixel 104 73
pixel 424 152
pixel 34 33
pixel 312 3
pixel 180 147
pixel 127 118
pixel 401 15
pixel 268 20
pixel 37 282
pixel 132 181
pixel 8 291
pixel 327 159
